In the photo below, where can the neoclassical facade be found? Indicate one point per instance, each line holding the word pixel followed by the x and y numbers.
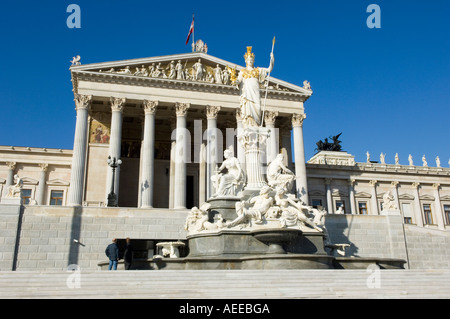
pixel 168 120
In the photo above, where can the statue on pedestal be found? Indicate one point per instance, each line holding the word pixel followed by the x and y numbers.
pixel 248 81
pixel 279 175
pixel 232 182
pixel 259 206
pixel 389 202
pixel 15 191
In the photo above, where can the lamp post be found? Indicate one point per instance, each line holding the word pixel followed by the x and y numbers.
pixel 112 197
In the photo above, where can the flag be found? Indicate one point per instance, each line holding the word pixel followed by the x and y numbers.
pixel 191 29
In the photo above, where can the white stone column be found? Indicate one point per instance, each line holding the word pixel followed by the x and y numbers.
pixel 40 191
pixel 148 155
pixel 417 208
pixel 10 177
pixel 173 147
pixel 82 105
pixel 115 142
pixel 395 187
pixel 202 176
pixel 330 206
pixel 272 145
pixel 374 201
pixel 211 147
pixel 299 153
pixel 179 200
pixel 239 131
pixel 351 196
pixel 286 146
pixel 438 207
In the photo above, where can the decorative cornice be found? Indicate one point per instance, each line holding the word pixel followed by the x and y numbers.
pixel 212 111
pixel 297 119
pixel 150 106
pixel 183 85
pixel 117 104
pixel 82 102
pixel 181 108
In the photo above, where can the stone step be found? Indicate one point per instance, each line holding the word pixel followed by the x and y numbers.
pixel 224 284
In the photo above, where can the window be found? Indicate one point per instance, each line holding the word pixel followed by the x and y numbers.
pixel 316 203
pixel 56 197
pixel 447 214
pixel 428 218
pixel 362 208
pixel 407 214
pixel 340 203
pixel 26 196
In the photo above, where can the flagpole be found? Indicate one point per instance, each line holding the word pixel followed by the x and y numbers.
pixel 267 86
pixel 193 33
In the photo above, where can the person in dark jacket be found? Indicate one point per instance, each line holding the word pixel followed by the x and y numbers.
pixel 112 251
pixel 128 254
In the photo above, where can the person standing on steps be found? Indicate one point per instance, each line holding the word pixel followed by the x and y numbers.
pixel 112 252
pixel 128 254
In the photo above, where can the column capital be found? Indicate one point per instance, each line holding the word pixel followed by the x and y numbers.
pixel 11 165
pixel 415 184
pixel 150 106
pixel 212 111
pixel 373 182
pixel 270 116
pixel 238 114
pixel 436 185
pixel 394 183
pixel 117 103
pixel 351 181
pixel 82 102
pixel 328 181
pixel 43 166
pixel 297 119
pixel 181 108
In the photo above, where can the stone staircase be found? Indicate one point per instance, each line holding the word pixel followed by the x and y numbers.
pixel 227 284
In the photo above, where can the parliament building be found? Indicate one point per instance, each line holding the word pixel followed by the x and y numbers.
pixel 149 135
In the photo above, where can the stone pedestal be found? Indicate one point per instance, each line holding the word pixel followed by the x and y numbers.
pixel 234 249
pixel 226 206
pixel 390 212
pixel 254 141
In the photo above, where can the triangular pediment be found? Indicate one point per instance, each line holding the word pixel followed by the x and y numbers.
pixel 426 197
pixel 406 196
pixel 316 193
pixel 166 69
pixel 58 182
pixel 363 195
pixel 29 181
pixel 446 197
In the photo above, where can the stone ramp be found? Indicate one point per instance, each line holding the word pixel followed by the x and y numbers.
pixel 227 284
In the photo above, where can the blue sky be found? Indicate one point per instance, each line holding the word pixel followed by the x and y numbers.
pixel 387 89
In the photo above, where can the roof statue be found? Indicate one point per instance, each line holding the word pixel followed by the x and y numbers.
pixel 334 146
pixel 76 60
